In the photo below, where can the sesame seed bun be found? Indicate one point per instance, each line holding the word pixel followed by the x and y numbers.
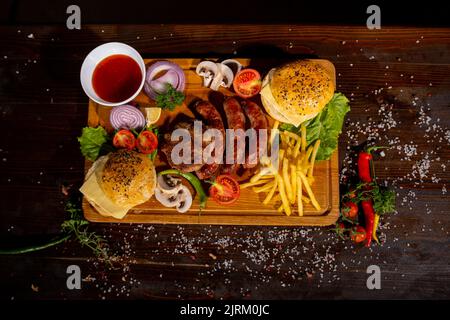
pixel 299 90
pixel 128 178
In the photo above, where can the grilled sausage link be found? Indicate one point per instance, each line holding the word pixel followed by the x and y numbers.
pixel 258 121
pixel 213 119
pixel 235 120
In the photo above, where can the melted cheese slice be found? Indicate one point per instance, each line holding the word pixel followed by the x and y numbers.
pixel 93 192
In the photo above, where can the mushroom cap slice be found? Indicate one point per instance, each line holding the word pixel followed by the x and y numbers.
pixel 167 200
pixel 168 184
pixel 185 199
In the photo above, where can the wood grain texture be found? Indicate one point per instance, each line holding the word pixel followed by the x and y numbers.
pixel 172 261
pixel 249 209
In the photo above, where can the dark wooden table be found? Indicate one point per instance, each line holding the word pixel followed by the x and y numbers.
pixel 397 78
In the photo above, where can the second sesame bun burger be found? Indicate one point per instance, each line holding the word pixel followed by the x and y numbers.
pixel 298 91
pixel 119 181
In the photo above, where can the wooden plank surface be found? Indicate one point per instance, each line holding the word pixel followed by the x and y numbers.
pixel 249 209
pixel 39 87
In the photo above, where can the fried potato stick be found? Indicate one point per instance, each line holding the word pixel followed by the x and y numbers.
pixel 284 199
pixel 313 158
pixel 309 191
pixel 299 196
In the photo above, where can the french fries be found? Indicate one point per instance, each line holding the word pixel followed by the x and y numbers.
pixel 287 185
pixel 270 194
pixel 284 199
pixel 309 191
pixel 268 186
pixel 293 182
pixel 287 181
pixel 313 158
pixel 299 195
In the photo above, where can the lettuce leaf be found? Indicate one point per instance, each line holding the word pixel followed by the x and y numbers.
pixel 93 141
pixel 327 126
pixel 289 127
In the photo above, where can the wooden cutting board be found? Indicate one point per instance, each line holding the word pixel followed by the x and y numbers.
pixel 248 210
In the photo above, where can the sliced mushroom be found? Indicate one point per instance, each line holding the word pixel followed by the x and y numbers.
pixel 216 75
pixel 170 192
pixel 168 184
pixel 234 65
pixel 208 70
pixel 167 200
pixel 184 199
pixel 227 75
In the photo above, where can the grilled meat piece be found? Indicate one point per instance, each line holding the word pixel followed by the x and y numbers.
pixel 167 145
pixel 212 118
pixel 258 121
pixel 235 120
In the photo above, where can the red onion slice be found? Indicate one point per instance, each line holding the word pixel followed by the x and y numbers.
pixel 174 74
pixel 126 117
pixel 160 85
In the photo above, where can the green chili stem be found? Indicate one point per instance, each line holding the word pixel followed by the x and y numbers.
pixel 55 241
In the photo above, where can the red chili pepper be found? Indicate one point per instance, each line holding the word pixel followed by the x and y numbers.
pixel 364 166
pixel 369 217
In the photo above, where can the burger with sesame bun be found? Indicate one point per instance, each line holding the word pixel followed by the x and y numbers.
pixel 298 91
pixel 119 181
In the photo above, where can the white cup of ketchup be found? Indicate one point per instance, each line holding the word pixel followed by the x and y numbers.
pixel 113 74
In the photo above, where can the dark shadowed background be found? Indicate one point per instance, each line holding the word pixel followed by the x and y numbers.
pixel 415 13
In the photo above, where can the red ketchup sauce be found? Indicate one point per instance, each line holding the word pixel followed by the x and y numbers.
pixel 116 78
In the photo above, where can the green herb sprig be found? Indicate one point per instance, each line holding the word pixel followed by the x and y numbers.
pixel 170 99
pixel 76 227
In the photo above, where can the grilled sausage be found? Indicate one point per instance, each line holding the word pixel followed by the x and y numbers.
pixel 213 119
pixel 235 120
pixel 258 121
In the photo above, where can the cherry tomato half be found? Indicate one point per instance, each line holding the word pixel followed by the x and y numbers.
pixel 225 190
pixel 247 83
pixel 147 142
pixel 124 139
pixel 358 234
